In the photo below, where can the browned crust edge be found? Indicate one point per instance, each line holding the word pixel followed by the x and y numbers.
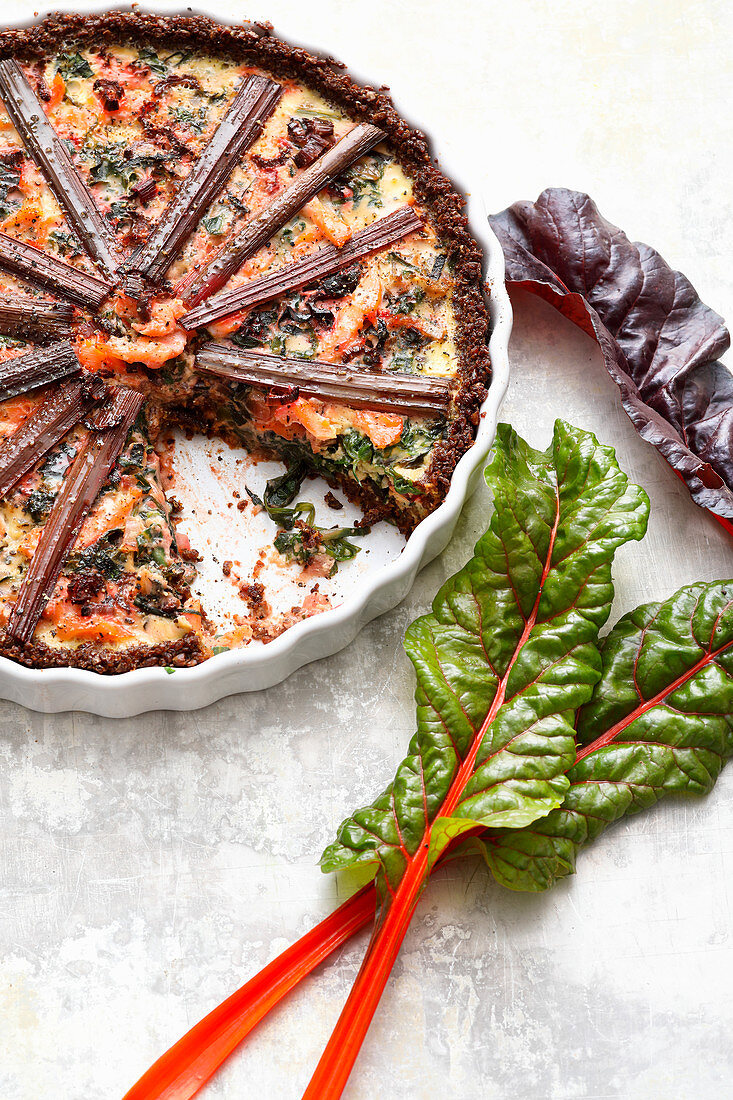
pixel 257 44
pixel 181 653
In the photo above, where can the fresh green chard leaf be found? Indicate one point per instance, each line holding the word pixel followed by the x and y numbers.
pixel 506 655
pixel 659 722
pixel 511 650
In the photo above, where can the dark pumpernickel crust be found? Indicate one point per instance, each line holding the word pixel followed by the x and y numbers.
pixel 182 653
pixel 256 44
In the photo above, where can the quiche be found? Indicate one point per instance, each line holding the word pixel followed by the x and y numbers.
pixel 204 227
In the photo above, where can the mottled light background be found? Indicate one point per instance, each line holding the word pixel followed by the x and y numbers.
pixel 149 866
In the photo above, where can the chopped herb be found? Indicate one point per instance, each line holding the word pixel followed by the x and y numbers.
pixel 177 58
pixel 256 329
pixel 108 162
pixel 119 210
pixel 149 607
pixel 195 118
pixel 135 456
pixel 402 261
pixel 57 462
pixel 361 183
pixel 309 112
pixel 149 541
pixel 66 243
pixel 407 302
pixel 242 340
pixel 339 284
pixel 403 362
pixel 213 225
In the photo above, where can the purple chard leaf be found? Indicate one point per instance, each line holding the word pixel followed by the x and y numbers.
pixel 661 345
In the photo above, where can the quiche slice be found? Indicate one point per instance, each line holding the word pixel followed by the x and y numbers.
pixel 202 226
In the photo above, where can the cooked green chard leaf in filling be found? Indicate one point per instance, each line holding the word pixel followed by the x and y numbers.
pixel 71 65
pixel 300 539
pixel 398 468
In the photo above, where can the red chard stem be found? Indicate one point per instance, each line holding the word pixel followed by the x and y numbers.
pixel 46 427
pixel 184 1069
pixel 38 368
pixel 54 161
pixel 52 274
pixel 38 319
pixel 298 273
pixel 388 391
pixel 107 432
pixel 203 282
pixel 241 125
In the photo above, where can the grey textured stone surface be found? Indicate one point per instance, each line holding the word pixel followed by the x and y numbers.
pixel 149 866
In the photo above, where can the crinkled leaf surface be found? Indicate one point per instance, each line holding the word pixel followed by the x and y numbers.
pixel 506 656
pixel 660 343
pixel 660 722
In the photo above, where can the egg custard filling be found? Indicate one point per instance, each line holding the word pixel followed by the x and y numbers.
pixel 205 227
